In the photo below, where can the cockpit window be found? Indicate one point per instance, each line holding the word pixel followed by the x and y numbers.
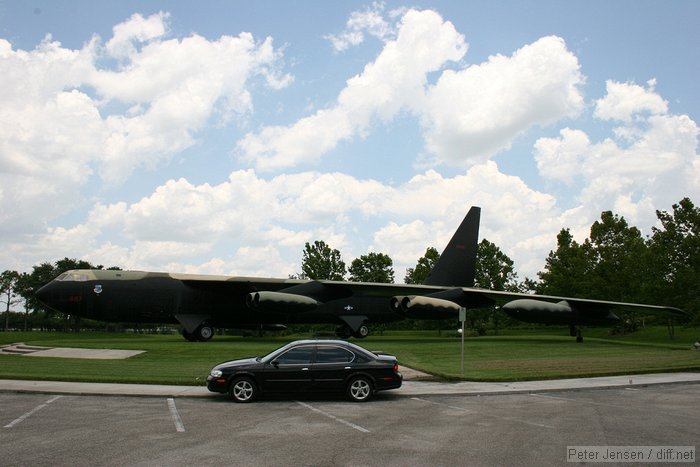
pixel 72 277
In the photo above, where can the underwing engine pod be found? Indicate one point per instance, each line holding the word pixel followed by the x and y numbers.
pixel 280 302
pixel 421 307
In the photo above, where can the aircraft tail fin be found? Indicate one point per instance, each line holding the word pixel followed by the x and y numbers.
pixel 457 264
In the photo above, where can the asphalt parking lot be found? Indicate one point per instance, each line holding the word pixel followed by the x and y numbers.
pixel 518 429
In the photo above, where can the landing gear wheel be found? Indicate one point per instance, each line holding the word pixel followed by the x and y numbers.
pixel 243 390
pixel 188 336
pixel 360 389
pixel 362 332
pixel 204 333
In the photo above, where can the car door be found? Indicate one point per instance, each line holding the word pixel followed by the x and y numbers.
pixel 290 371
pixel 330 369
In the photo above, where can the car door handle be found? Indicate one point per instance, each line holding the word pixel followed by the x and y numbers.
pixel 304 369
pixel 348 368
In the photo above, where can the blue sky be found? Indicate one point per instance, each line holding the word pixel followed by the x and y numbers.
pixel 220 137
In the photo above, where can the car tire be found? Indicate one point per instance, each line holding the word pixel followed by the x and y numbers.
pixel 360 389
pixel 243 390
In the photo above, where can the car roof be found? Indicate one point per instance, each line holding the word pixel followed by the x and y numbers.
pixel 329 341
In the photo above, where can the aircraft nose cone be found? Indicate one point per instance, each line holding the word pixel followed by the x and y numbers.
pixel 48 294
pixel 43 293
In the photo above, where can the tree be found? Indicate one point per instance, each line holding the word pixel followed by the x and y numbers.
pixel 8 290
pixel 675 253
pixel 320 262
pixel 422 270
pixel 373 267
pixel 23 285
pixel 620 258
pixel 567 270
pixel 494 269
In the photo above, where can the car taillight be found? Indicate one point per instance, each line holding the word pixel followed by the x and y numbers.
pixel 396 367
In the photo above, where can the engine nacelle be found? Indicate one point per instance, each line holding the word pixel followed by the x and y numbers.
pixel 280 302
pixel 421 307
pixel 537 311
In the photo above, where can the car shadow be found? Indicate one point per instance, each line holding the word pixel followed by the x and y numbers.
pixel 272 398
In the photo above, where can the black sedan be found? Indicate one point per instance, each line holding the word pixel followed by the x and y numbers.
pixel 322 366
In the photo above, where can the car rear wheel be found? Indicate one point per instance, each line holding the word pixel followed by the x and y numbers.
pixel 360 389
pixel 243 389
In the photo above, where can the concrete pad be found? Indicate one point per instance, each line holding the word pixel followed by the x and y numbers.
pixel 67 352
pixel 96 354
pixel 409 374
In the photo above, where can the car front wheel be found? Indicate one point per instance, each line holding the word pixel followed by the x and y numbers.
pixel 360 389
pixel 243 389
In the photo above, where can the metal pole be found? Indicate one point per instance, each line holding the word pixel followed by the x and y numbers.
pixel 462 318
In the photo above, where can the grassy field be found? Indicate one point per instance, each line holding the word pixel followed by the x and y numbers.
pixel 514 355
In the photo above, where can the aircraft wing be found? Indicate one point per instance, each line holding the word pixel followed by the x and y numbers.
pixel 422 301
pixel 528 307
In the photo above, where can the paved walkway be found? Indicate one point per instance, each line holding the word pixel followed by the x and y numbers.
pixel 409 388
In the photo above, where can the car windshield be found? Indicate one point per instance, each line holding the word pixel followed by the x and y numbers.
pixel 269 357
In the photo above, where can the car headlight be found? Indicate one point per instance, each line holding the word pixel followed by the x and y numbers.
pixel 216 373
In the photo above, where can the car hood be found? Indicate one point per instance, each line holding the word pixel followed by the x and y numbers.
pixel 237 363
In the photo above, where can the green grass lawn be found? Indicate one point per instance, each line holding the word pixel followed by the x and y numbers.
pixel 522 354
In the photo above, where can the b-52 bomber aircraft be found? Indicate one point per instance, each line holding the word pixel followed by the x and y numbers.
pixel 200 303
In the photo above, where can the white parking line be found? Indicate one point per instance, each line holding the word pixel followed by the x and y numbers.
pixel 31 412
pixel 339 420
pixel 176 416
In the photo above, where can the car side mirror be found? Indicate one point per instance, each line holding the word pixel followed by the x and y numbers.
pixel 275 363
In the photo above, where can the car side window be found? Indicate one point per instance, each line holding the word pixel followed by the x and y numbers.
pixel 333 355
pixel 299 355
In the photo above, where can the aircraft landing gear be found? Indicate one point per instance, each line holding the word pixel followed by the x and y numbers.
pixel 344 331
pixel 576 331
pixel 188 336
pixel 203 333
pixel 362 332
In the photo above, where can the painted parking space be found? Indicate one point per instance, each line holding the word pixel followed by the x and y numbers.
pixel 518 429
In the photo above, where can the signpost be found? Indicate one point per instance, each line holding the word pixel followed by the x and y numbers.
pixel 462 319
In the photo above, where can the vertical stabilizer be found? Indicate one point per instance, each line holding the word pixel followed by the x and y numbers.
pixel 457 264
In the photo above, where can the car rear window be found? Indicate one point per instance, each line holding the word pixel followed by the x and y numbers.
pixel 333 355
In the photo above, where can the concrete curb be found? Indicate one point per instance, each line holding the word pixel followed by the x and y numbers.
pixel 409 388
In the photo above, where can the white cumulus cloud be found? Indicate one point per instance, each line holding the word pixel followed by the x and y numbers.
pixel 65 117
pixel 392 83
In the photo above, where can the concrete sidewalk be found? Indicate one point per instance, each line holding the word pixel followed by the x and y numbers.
pixel 409 388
